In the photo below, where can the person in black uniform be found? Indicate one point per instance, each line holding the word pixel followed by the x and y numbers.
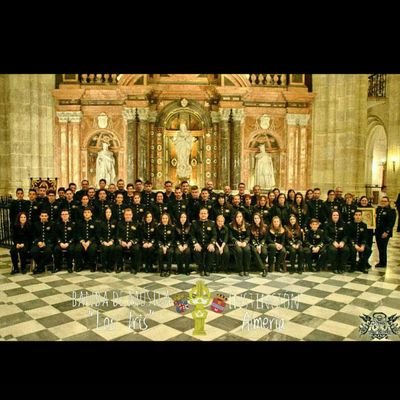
pixel 314 245
pixel 330 205
pixel 206 202
pixel 281 209
pixel 222 208
pixel 398 211
pixel 107 238
pixel 276 241
pixel 294 244
pixel 301 210
pixel 137 208
pixel 148 197
pixel 86 248
pixel 148 239
pixel 183 240
pixel 258 243
pixel 263 209
pixel 222 253
pixel 17 206
pixel 32 207
pixel 71 205
pixel 118 207
pixel 159 207
pixel 348 209
pixel 51 206
pixel 165 240
pixel 42 246
pixel 100 205
pixel 240 237
pixel 338 251
pixel 385 220
pixel 357 234
pixel 316 207
pixel 22 239
pixel 204 238
pixel 177 206
pixel 128 235
pixel 64 238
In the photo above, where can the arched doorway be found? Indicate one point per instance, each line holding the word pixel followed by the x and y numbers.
pixel 376 157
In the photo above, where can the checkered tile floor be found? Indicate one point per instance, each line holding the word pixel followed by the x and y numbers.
pixel 97 306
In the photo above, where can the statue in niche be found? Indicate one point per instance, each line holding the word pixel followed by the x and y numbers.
pixel 183 144
pixel 264 169
pixel 105 165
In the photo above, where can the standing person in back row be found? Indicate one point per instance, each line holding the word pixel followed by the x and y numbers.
pixel 398 212
pixel 385 219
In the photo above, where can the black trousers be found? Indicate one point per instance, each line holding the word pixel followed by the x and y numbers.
pixel 363 257
pixel 260 258
pixel 58 255
pixel 242 257
pixel 42 256
pixel 204 259
pixel 107 257
pixel 382 248
pixel 23 255
pixel 182 258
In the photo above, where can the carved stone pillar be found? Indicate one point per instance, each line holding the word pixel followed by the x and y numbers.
pixel 142 144
pixel 67 145
pixel 297 149
pixel 62 148
pixel 74 160
pixel 216 176
pixel 236 151
pixel 129 115
pixel 155 152
pixel 224 147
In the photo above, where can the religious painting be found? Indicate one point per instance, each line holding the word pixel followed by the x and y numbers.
pixel 368 217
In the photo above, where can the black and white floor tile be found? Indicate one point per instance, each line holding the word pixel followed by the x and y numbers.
pixel 89 306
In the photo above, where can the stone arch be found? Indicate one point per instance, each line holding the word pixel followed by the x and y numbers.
pixel 177 106
pixel 376 152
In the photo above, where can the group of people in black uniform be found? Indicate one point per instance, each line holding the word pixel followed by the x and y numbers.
pixel 188 225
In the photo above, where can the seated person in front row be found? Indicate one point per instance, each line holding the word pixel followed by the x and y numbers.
pixel 43 242
pixel 314 245
pixel 22 239
pixel 65 238
pixel 337 249
pixel 86 248
pixel 357 234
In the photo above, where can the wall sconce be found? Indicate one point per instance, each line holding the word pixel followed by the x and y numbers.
pixel 394 165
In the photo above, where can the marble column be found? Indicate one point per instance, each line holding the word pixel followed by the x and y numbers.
pixel 224 147
pixel 61 141
pixel 142 144
pixel 74 159
pixel 151 148
pixel 236 150
pixel 215 118
pixel 129 115
pixel 297 173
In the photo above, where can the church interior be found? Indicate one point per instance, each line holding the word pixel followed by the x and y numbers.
pixel 338 132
